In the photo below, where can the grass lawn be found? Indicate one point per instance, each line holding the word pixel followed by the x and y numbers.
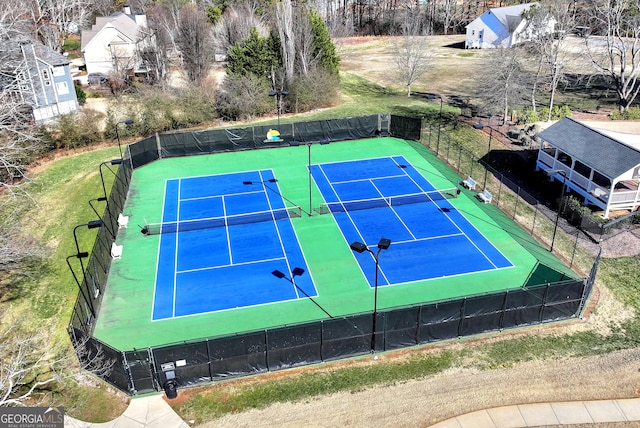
pixel 59 195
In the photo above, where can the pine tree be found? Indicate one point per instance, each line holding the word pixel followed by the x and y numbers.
pixel 255 55
pixel 325 50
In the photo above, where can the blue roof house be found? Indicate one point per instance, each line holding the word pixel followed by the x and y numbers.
pixel 502 27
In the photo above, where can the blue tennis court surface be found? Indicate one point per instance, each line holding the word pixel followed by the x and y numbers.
pixel 387 197
pixel 221 237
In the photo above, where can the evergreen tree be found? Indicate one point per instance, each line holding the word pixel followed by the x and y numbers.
pixel 325 50
pixel 255 55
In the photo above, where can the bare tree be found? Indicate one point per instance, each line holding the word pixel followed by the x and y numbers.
pixel 18 138
pixel 504 81
pixel 30 363
pixel 236 24
pixel 195 42
pixel 52 18
pixel 284 24
pixel 617 53
pixel 549 47
pixel 304 43
pixel 164 17
pixel 447 11
pixel 411 50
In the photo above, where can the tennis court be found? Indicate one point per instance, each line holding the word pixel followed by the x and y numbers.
pixel 219 226
pixel 387 197
pixel 221 235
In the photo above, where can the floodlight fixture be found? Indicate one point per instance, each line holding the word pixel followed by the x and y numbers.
pixel 359 247
pixel 126 122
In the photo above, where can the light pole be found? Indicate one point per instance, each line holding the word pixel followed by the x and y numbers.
pixel 127 123
pixel 88 301
pixel 90 225
pixel 101 199
pixel 359 247
pixel 296 143
pixel 563 173
pixel 297 272
pixel 279 95
pixel 433 97
pixel 486 169
pixel 104 189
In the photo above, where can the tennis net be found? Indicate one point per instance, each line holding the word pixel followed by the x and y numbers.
pixel 213 222
pixel 391 201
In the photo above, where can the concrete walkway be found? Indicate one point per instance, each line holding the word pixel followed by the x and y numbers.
pixel 548 414
pixel 153 412
pixel 149 412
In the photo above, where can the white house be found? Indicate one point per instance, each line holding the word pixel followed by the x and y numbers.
pixel 114 43
pixel 604 170
pixel 502 27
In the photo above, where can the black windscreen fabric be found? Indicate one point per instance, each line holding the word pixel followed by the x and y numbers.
pixel 310 132
pixel 482 305
pixel 295 345
pixel 140 371
pixel 144 152
pixel 439 331
pixel 351 128
pixel 480 324
pixel 342 337
pixel 440 312
pixel 566 292
pixel 560 311
pixel 405 127
pixel 238 355
pixel 190 362
pixel 95 351
pixel 521 316
pixel 401 328
pixel 440 321
pixel 524 298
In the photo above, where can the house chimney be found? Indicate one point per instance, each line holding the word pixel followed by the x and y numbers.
pixel 126 9
pixel 141 19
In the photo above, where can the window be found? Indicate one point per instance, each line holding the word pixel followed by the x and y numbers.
pixel 62 88
pixel 46 77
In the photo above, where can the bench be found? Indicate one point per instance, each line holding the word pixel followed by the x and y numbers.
pixel 116 251
pixel 123 220
pixel 485 196
pixel 469 183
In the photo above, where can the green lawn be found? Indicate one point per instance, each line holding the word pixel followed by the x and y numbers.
pixel 60 194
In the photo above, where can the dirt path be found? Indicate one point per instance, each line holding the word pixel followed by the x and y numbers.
pixel 422 403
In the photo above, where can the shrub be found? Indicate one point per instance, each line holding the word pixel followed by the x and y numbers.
pixel 153 110
pixel 557 113
pixel 528 116
pixel 243 96
pixel 81 95
pixel 76 130
pixel 316 89
pixel 631 113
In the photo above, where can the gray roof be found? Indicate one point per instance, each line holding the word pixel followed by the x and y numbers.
pixel 606 155
pixel 125 24
pixel 510 16
pixel 49 56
